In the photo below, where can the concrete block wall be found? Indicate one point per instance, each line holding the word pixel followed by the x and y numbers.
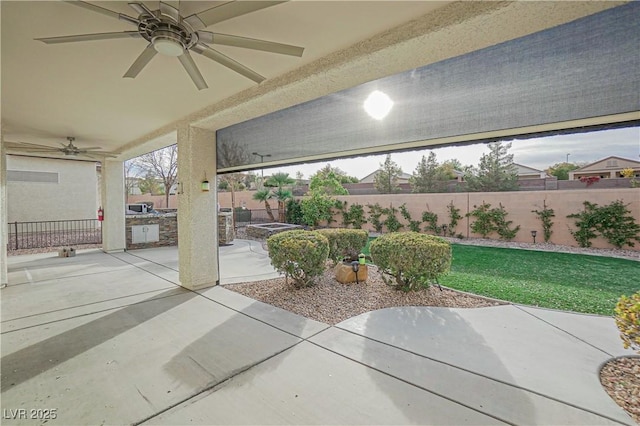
pixel 519 206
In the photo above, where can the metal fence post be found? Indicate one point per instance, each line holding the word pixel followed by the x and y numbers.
pixel 16 233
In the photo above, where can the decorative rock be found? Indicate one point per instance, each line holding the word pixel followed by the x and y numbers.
pixel 345 274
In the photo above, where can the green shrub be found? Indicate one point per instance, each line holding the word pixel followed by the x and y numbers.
pixel 454 217
pixel 375 212
pixel 613 222
pixel 293 213
pixel 414 225
pixel 432 222
pixel 545 216
pixel 344 242
pixel 391 222
pixel 354 216
pixel 412 260
pixel 299 254
pixel 317 208
pixel 490 220
pixel 628 320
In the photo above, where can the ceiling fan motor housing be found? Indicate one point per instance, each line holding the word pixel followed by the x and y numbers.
pixel 168 37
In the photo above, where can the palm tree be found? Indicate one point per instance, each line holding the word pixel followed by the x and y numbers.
pixel 280 180
pixel 264 195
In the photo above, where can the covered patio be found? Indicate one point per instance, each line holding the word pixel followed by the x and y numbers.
pixel 114 339
pixel 486 71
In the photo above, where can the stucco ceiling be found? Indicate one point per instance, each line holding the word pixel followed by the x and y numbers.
pixel 50 92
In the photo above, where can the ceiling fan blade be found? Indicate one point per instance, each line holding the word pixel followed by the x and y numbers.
pixel 98 154
pixel 89 37
pixel 144 58
pixel 142 9
pixel 32 149
pixel 226 11
pixel 90 148
pixel 228 62
pixel 170 11
pixel 35 145
pixel 192 69
pixel 250 43
pixel 104 11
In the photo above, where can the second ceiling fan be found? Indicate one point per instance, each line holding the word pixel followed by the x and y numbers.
pixel 170 34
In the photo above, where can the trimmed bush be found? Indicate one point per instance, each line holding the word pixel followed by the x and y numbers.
pixel 412 260
pixel 628 321
pixel 345 242
pixel 299 254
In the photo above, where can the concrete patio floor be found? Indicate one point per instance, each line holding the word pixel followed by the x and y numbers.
pixel 112 339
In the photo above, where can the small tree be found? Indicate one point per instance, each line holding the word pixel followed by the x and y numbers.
pixel 264 195
pixel 282 194
pixel 545 216
pixel 149 184
pixel 328 183
pixel 454 217
pixel 386 179
pixel 561 170
pixel 162 164
pixel 496 171
pixel 336 173
pixel 424 176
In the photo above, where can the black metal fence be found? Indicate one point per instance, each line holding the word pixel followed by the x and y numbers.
pixel 244 217
pixel 54 233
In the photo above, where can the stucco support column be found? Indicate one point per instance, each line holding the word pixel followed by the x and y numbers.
pixel 112 194
pixel 4 233
pixel 197 209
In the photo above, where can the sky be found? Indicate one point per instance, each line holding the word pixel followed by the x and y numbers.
pixel 539 153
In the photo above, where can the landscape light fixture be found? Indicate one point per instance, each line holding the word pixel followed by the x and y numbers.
pixel 533 234
pixel 355 267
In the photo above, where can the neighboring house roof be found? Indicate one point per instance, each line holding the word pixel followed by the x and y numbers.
pixel 403 178
pixel 526 171
pixel 609 163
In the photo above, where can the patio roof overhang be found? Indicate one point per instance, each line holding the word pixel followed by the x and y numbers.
pixel 576 77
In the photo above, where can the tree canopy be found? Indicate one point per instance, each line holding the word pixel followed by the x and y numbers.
pixel 336 173
pixel 386 179
pixel 496 171
pixel 561 170
pixel 161 164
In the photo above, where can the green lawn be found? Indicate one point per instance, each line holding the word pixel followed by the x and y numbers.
pixel 573 282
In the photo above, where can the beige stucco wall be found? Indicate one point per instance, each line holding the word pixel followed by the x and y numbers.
pixel 73 197
pixel 518 204
pixel 224 198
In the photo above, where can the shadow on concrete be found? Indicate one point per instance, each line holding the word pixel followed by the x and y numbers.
pixel 431 340
pixel 33 360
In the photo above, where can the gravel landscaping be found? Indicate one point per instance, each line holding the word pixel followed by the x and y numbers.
pixel 331 302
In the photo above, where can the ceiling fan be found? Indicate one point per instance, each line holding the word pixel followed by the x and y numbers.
pixel 171 34
pixel 69 149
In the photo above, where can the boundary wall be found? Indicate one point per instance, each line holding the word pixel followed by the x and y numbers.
pixel 519 206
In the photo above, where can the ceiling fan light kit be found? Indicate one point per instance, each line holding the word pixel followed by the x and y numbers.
pixel 170 34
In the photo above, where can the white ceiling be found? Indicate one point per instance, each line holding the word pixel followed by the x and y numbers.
pixel 50 92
